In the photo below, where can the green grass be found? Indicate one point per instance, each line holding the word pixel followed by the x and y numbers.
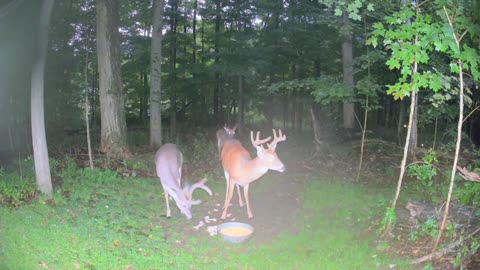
pixel 108 222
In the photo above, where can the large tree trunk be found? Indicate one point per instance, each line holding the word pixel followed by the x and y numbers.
pixel 155 73
pixel 39 140
pixel 347 63
pixel 216 89
pixel 173 70
pixel 112 103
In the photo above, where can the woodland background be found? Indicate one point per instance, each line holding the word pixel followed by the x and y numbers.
pixel 262 62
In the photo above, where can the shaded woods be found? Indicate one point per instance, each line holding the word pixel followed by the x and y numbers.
pixel 389 101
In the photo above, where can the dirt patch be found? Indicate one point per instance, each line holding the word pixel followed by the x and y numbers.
pixel 275 200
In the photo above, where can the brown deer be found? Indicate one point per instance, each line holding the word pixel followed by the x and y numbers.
pixel 224 134
pixel 168 163
pixel 240 169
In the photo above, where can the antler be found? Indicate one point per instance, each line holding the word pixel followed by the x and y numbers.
pixel 257 142
pixel 200 184
pixel 276 139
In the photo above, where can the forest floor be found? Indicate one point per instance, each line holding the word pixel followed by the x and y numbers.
pixel 313 216
pixel 275 201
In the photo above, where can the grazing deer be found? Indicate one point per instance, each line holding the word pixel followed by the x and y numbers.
pixel 241 169
pixel 168 162
pixel 223 135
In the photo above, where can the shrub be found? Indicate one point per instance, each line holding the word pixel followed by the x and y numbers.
pixel 15 190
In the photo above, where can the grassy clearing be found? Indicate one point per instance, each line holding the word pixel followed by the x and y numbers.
pixel 102 221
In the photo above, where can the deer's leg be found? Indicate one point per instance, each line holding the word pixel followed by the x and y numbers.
pixel 247 200
pixel 240 201
pixel 228 197
pixel 166 202
pixel 227 178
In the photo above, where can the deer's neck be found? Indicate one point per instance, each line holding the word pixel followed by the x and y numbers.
pixel 252 170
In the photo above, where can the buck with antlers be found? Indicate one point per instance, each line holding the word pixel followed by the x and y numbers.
pixel 168 162
pixel 240 169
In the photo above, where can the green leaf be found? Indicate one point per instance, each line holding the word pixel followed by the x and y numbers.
pixel 454 68
pixel 393 64
pixel 338 12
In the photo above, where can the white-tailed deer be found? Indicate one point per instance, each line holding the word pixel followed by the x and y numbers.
pixel 168 162
pixel 241 169
pixel 223 135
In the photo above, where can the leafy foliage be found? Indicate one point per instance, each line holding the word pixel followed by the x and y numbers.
pixel 15 190
pixel 425 173
pixel 325 90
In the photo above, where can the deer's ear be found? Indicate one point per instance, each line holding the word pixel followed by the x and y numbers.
pixel 260 151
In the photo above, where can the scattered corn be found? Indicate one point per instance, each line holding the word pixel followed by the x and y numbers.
pixel 239 231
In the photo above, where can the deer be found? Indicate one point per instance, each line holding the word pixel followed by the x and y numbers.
pixel 168 163
pixel 224 134
pixel 241 170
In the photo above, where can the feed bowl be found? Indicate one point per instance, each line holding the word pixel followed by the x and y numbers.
pixel 235 232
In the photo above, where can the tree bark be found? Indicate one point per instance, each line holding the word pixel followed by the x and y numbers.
pixel 400 122
pixel 459 134
pixel 112 99
pixel 347 63
pixel 39 140
pixel 173 69
pixel 216 89
pixel 414 134
pixel 155 75
pixel 87 108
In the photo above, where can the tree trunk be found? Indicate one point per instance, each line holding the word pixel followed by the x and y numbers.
pixel 87 108
pixel 173 69
pixel 407 144
pixel 347 63
pixel 387 122
pixel 400 122
pixel 194 32
pixel 414 133
pixel 459 133
pixel 216 89
pixel 39 140
pixel 155 73
pixel 145 98
pixel 93 95
pixel 112 99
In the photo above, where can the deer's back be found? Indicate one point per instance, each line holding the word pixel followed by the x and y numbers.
pixel 168 161
pixel 234 155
